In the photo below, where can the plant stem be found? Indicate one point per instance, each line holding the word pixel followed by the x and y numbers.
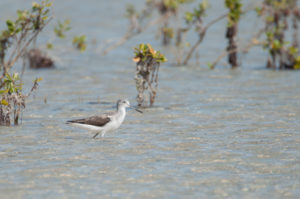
pixel 201 37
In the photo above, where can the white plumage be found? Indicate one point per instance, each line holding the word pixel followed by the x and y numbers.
pixel 106 122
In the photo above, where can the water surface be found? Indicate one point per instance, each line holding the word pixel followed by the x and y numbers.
pixel 211 134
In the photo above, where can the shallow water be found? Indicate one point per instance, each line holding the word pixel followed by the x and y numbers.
pixel 211 134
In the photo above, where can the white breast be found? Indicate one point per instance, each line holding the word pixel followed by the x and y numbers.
pixel 117 120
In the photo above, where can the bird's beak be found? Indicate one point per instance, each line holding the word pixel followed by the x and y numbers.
pixel 137 110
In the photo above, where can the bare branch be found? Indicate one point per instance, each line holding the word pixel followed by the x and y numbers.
pixel 131 33
pixel 22 49
pixel 201 37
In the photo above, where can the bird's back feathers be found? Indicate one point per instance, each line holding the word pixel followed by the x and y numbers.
pixel 94 120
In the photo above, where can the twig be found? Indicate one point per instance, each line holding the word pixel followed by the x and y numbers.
pixel 131 33
pixel 201 37
pixel 10 63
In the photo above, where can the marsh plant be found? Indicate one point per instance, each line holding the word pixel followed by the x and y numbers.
pixel 60 30
pixel 38 58
pixel 12 99
pixel 280 16
pixel 281 19
pixel 233 17
pixel 147 66
pixel 157 13
pixel 168 9
pixel 194 20
pixel 15 41
pixel 79 42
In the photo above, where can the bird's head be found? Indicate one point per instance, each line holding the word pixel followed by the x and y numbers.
pixel 123 103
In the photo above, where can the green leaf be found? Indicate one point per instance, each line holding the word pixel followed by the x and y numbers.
pixel 61 28
pixel 4 102
pixel 189 17
pixel 269 19
pixel 38 79
pixel 130 10
pixel 46 12
pixel 10 25
pixel 297 63
pixel 80 43
pixel 35 6
pixel 276 44
pixel 204 5
pixel 49 46
pixel 293 50
pixel 15 76
pixel 146 51
pixel 3 91
pixel 49 4
pixel 210 65
pixel 235 11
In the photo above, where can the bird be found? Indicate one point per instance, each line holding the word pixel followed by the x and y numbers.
pixel 105 122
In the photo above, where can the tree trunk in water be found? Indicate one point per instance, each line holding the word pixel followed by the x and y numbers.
pixel 4 118
pixel 295 33
pixel 166 38
pixel 232 45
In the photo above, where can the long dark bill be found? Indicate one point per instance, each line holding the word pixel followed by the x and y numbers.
pixel 137 110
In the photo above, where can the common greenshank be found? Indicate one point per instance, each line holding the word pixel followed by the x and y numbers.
pixel 106 122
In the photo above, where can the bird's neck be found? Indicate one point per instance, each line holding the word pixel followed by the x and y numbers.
pixel 122 110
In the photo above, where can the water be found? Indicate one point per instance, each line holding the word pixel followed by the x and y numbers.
pixel 211 134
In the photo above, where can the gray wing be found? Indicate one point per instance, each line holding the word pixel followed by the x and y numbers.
pixel 94 120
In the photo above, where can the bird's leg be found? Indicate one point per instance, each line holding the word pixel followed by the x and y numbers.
pixel 95 135
pixel 103 133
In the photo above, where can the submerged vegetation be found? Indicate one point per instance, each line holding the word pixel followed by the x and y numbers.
pixel 79 42
pixel 38 59
pixel 61 28
pixel 234 14
pixel 18 41
pixel 141 20
pixel 194 20
pixel 281 17
pixel 15 41
pixel 147 66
